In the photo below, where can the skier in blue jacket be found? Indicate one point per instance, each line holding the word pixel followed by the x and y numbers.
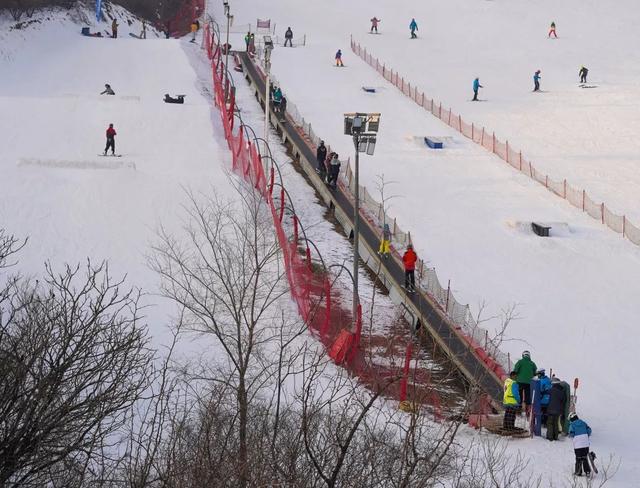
pixel 545 388
pixel 476 86
pixel 579 431
pixel 413 26
pixel 536 81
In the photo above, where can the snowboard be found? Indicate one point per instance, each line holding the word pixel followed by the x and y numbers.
pixel 110 155
pixel 584 85
pixel 374 33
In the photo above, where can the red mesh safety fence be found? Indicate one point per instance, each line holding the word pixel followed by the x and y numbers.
pixel 317 297
pixel 479 135
pixel 180 23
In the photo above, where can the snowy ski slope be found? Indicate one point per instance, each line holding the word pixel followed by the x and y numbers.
pixel 469 213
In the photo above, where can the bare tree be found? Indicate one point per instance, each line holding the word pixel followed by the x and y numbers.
pixel 73 360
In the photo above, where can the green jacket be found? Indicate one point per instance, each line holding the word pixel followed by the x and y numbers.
pixel 526 370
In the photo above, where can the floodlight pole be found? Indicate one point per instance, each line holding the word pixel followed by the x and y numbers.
pixel 356 226
pixel 267 69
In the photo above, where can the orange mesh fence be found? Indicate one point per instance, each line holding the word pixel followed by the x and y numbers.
pixel 579 199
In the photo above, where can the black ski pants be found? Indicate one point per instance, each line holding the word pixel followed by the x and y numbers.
pixel 553 429
pixel 536 86
pixel 475 95
pixel 410 279
pixel 287 39
pixel 509 421
pixel 111 143
pixel 582 461
pixel 583 78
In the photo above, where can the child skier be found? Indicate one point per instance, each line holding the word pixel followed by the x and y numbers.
pixel 374 24
pixel 413 26
pixel 536 81
pixel 339 58
pixel 510 401
pixel 579 431
pixel 194 28
pixel 583 74
pixel 111 140
pixel 476 86
pixel 385 242
pixel 552 30
pixel 409 261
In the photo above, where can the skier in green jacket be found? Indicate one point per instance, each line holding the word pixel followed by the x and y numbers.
pixel 525 369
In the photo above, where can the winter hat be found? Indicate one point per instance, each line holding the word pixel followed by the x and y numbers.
pixel 573 416
pixel 526 354
pixel 541 371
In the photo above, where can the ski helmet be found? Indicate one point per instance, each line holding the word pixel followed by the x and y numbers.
pixel 526 354
pixel 573 416
pixel 541 371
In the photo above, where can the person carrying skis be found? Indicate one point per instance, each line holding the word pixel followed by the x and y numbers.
pixel 409 259
pixel 288 36
pixel 374 24
pixel 385 243
pixel 583 74
pixel 107 90
pixel 247 40
pixel 321 156
pixel 510 401
pixel 555 409
pixel 413 27
pixel 111 140
pixel 476 86
pixel 579 432
pixel 334 171
pixel 545 387
pixel 114 29
pixel 526 369
pixel 536 81
pixel 552 30
pixel 339 58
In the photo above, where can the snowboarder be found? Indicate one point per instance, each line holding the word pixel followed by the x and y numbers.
pixel 321 156
pixel 583 74
pixel 555 409
pixel 111 140
pixel 579 432
pixel 510 401
pixel 385 242
pixel 545 387
pixel 169 99
pixel 247 40
pixel 288 36
pixel 476 86
pixel 413 26
pixel 114 29
pixel 339 58
pixel 143 32
pixel 409 259
pixel 526 369
pixel 334 171
pixel 552 30
pixel 374 24
pixel 536 81
pixel 107 90
pixel 195 25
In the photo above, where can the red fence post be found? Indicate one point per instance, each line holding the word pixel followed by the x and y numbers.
pixel 281 204
pixel 295 230
pixel 405 373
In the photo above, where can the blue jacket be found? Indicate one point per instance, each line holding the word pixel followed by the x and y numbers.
pixel 579 427
pixel 536 77
pixel 339 54
pixel 476 84
pixel 545 387
pixel 413 25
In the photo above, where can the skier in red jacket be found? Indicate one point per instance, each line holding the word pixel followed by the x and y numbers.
pixel 111 140
pixel 409 260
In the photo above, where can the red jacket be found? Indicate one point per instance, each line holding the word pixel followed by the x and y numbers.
pixel 409 259
pixel 111 132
